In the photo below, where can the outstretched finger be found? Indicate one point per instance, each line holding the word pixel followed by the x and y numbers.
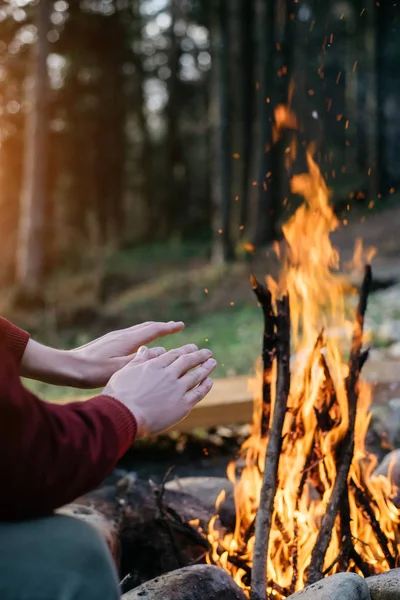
pixel 195 377
pixel 172 355
pixel 148 332
pixel 189 361
pixel 156 352
pixel 198 393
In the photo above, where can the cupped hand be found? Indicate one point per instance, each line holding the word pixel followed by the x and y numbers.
pixel 161 391
pixel 98 360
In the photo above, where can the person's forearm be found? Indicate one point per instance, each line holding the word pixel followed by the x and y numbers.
pixel 51 454
pixel 58 367
pixel 13 339
pixel 92 365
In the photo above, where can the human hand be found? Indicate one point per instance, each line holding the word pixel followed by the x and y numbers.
pixel 91 365
pixel 98 360
pixel 162 391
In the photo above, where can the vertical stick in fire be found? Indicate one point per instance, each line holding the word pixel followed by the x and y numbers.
pixel 269 485
pixel 264 297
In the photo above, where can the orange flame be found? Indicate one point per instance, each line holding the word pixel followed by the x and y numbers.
pixel 319 369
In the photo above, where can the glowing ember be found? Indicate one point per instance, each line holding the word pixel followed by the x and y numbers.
pixel 309 458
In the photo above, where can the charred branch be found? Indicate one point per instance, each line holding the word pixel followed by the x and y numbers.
pixel 337 559
pixel 270 476
pixel 282 529
pixel 159 492
pixel 250 531
pixel 264 298
pixel 308 465
pixel 360 563
pixel 362 499
pixel 345 532
pixel 349 552
pixel 327 399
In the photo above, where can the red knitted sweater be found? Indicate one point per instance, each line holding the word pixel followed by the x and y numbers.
pixel 51 454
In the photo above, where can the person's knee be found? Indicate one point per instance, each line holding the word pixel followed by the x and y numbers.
pixel 89 568
pixel 58 558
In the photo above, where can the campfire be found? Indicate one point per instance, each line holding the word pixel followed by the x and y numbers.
pixel 307 502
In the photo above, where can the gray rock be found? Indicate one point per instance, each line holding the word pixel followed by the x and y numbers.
pixel 394 403
pixel 342 586
pixel 198 582
pixel 376 355
pixel 390 330
pixel 385 422
pixel 394 350
pixel 207 490
pixel 392 461
pixel 385 586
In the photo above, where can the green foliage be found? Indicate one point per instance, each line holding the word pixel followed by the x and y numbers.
pixel 234 336
pixel 168 252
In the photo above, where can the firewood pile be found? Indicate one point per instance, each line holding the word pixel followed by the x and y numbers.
pixel 345 490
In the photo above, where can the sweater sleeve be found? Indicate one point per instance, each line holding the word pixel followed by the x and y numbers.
pixel 14 338
pixel 51 454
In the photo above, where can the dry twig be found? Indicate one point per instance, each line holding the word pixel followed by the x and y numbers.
pixel 264 297
pixel 269 485
pixel 159 496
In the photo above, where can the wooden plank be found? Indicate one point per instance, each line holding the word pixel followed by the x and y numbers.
pixel 228 403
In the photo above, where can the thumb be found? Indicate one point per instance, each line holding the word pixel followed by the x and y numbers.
pixel 142 354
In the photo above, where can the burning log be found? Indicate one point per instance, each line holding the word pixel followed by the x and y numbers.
pixel 264 297
pixel 315 571
pixel 154 526
pixel 269 485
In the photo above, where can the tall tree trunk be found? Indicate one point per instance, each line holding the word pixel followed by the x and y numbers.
pixel 372 109
pixel 117 124
pixel 176 171
pixel 247 68
pixel 284 44
pixel 383 175
pixel 261 223
pixel 236 124
pixel 151 226
pixel 30 256
pixel 351 85
pixel 101 182
pixel 241 50
pixel 220 110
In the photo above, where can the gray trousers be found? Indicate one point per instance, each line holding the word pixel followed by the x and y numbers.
pixel 57 558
